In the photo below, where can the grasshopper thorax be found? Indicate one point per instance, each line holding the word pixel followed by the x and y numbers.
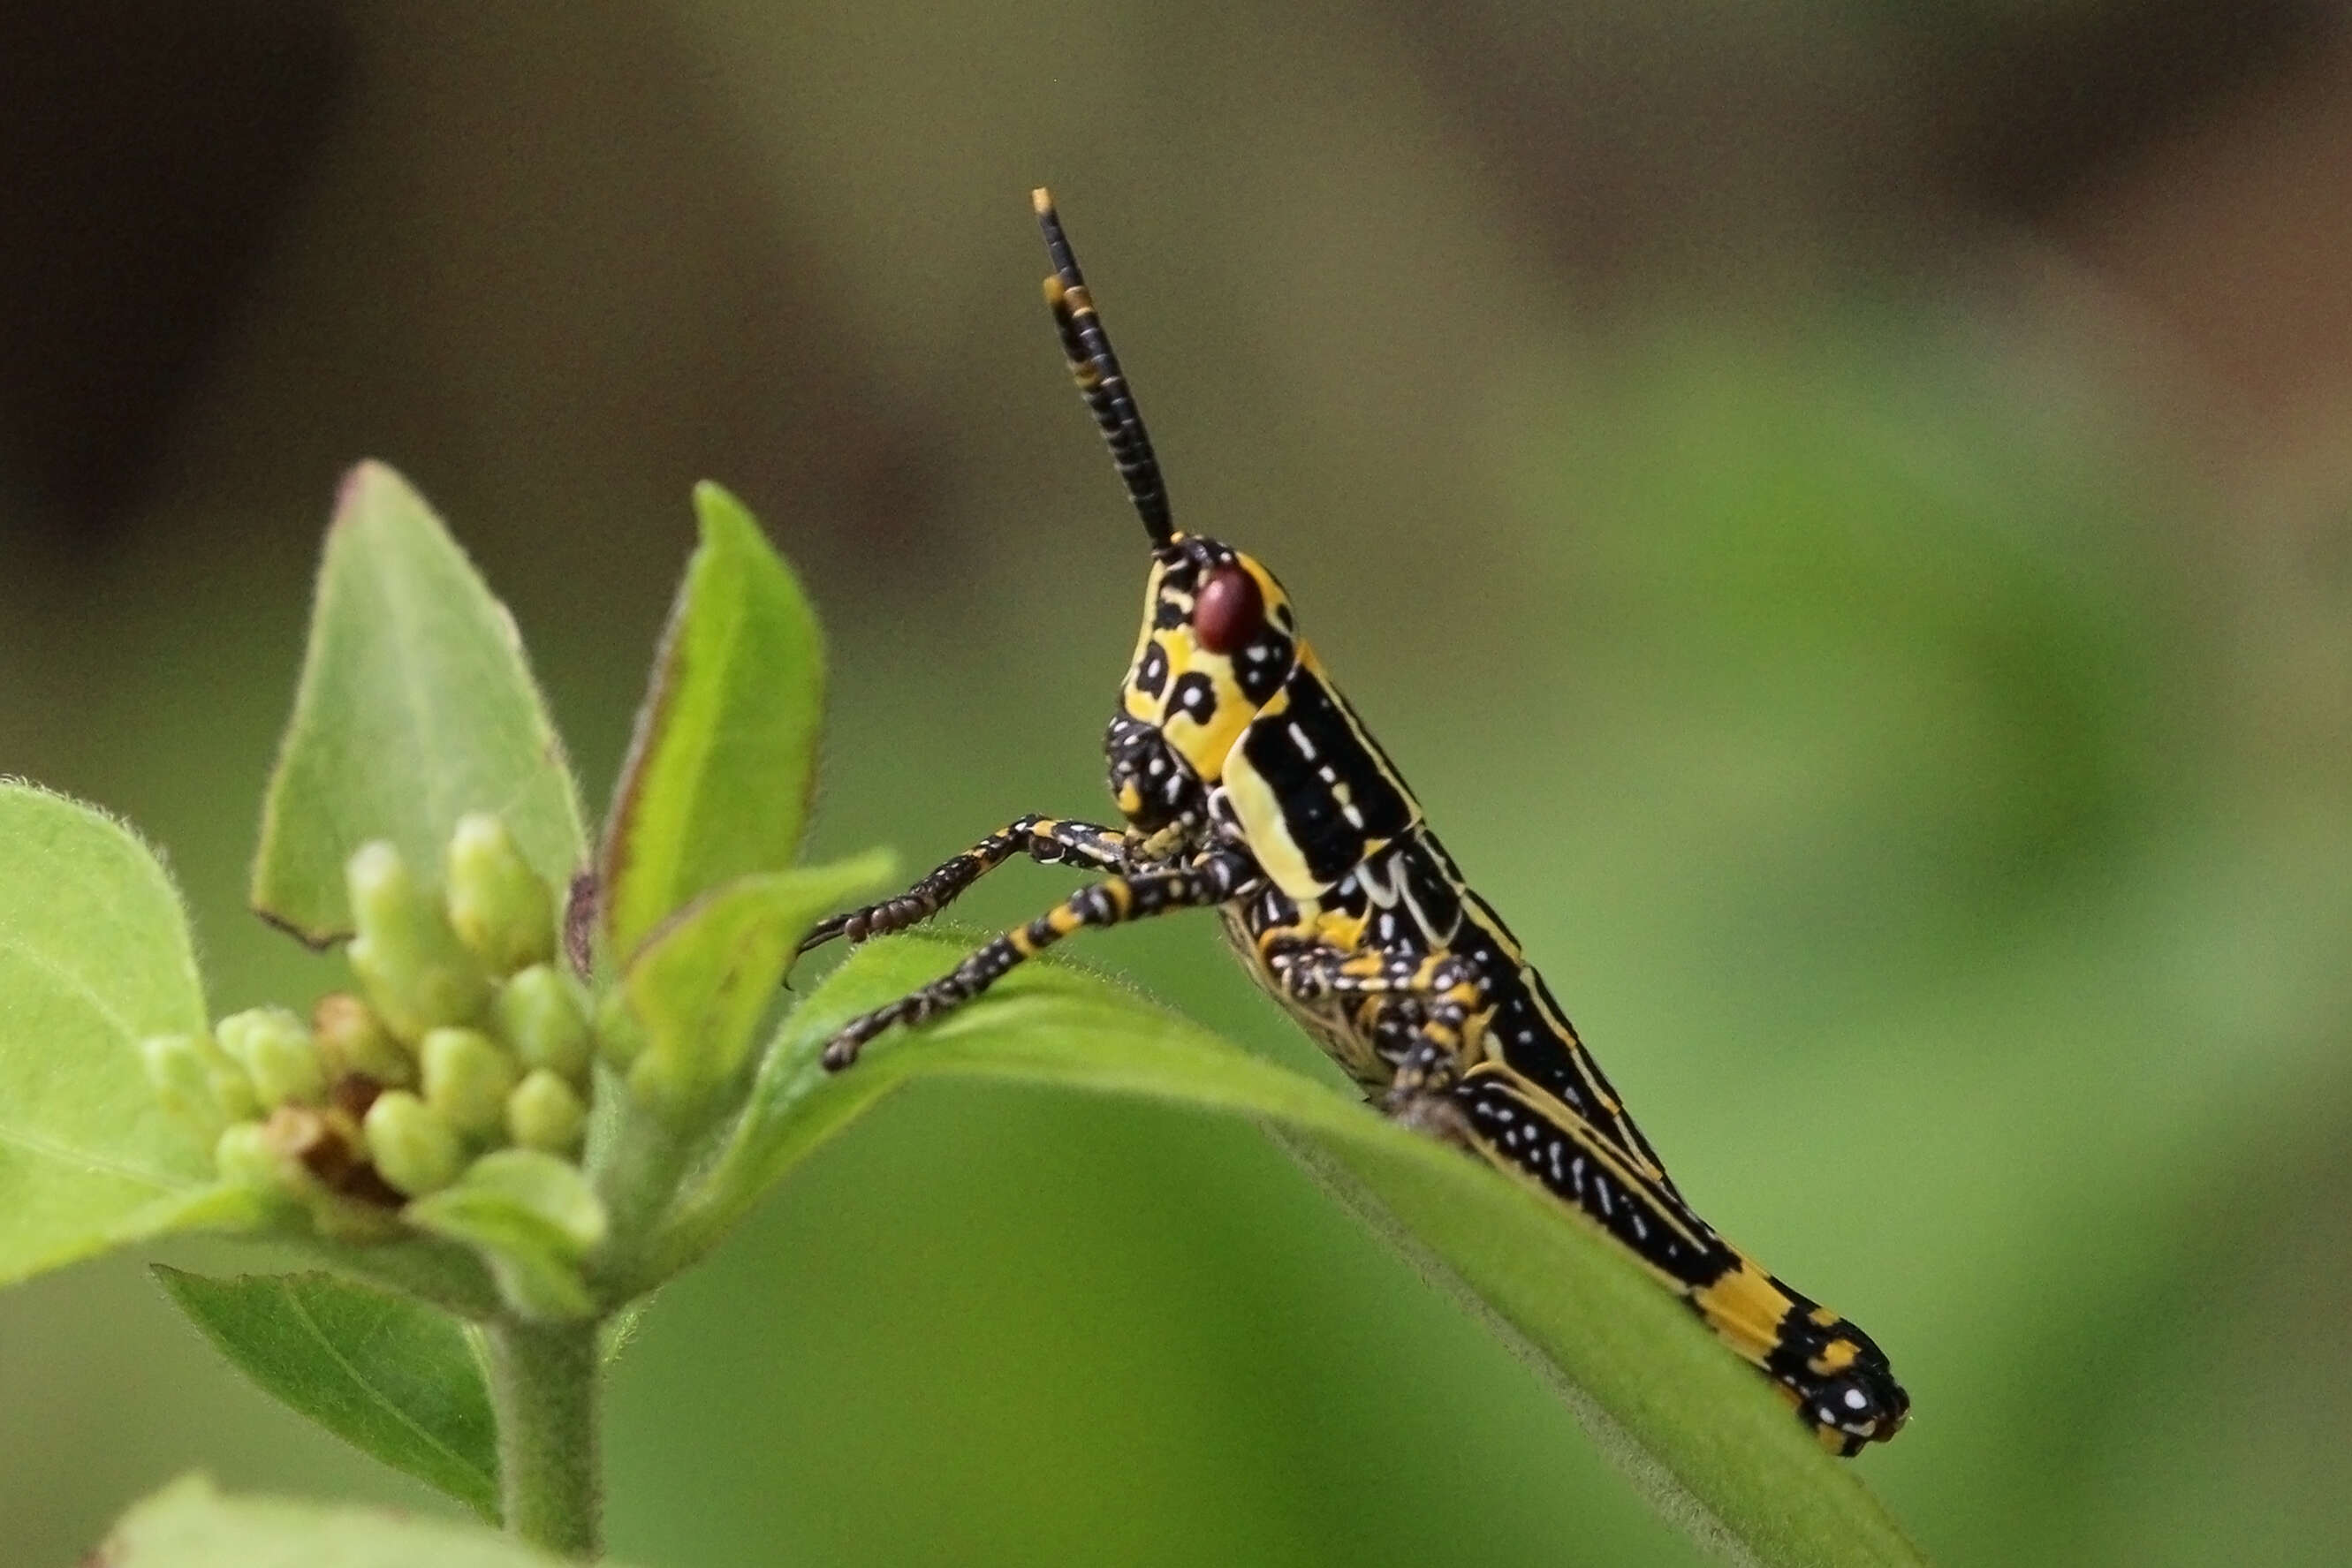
pixel 1218 640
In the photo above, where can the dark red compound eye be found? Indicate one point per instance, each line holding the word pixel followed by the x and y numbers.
pixel 1230 611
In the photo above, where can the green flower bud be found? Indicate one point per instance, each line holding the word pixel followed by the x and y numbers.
pixel 498 904
pixel 276 1052
pixel 246 1155
pixel 619 1036
pixel 197 1082
pixel 540 1012
pixel 550 1190
pixel 413 968
pixel 546 1112
pixel 232 1089
pixel 411 1146
pixel 180 1069
pixel 467 1079
pixel 352 1039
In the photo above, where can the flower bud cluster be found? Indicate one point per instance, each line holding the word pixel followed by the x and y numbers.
pixel 465 1037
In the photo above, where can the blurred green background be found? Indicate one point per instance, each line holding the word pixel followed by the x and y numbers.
pixel 1841 510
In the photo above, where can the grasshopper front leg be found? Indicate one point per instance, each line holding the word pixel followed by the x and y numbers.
pixel 1210 880
pixel 1045 840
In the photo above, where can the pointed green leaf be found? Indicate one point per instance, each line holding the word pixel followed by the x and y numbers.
pixel 189 1524
pixel 416 707
pixel 718 776
pixel 1709 1442
pixel 701 982
pixel 391 1376
pixel 94 958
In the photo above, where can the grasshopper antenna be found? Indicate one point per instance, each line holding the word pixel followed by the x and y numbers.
pixel 1100 382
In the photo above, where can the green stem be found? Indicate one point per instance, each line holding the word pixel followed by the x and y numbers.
pixel 637 1176
pixel 543 1386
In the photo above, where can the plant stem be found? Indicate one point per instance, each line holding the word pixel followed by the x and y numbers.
pixel 543 1387
pixel 637 1176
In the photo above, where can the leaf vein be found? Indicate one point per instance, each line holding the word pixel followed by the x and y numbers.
pixel 77 984
pixel 367 1386
pixel 48 1148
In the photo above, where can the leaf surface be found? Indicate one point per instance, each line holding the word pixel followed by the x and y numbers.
pixel 1709 1441
pixel 700 983
pixel 416 707
pixel 391 1376
pixel 94 958
pixel 189 1524
pixel 720 773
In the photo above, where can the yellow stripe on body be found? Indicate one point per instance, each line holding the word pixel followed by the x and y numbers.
pixel 1744 1307
pixel 1260 810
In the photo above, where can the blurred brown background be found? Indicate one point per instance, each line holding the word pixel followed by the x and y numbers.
pixel 1841 511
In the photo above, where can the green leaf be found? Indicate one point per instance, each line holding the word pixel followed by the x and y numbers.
pixel 1710 1443
pixel 700 983
pixel 391 1376
pixel 416 707
pixel 94 958
pixel 189 1524
pixel 720 773
pixel 532 1218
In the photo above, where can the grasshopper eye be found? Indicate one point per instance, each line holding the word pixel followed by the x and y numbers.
pixel 1230 611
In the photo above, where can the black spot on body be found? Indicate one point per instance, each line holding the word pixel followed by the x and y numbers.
pixel 1152 674
pixel 1262 667
pixel 1194 695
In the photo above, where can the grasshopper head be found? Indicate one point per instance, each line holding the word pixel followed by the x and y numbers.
pixel 1218 640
